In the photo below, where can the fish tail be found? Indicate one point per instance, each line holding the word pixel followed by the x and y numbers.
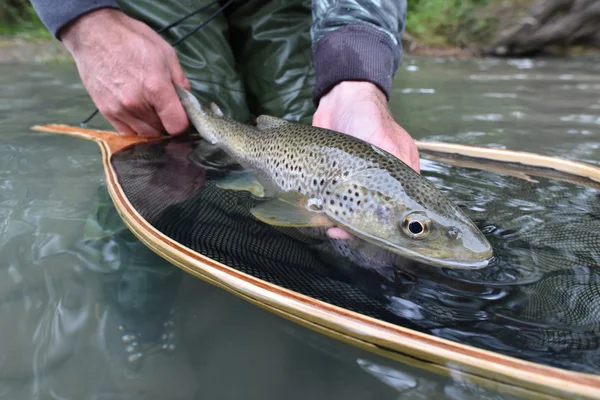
pixel 200 116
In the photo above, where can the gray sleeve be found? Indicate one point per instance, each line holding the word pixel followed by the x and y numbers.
pixel 55 14
pixel 356 40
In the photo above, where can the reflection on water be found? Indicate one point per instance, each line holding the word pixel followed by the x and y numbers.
pixel 87 312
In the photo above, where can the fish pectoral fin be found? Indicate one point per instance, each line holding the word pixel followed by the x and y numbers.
pixel 211 155
pixel 242 181
pixel 289 210
pixel 267 121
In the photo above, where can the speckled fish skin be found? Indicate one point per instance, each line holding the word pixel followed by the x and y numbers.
pixel 361 188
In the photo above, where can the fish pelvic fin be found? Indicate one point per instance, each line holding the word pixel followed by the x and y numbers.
pixel 289 210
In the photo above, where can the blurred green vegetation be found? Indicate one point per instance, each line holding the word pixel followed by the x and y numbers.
pixel 456 23
pixel 17 18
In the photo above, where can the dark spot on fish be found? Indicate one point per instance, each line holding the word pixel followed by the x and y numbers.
pixel 331 202
pixel 345 198
pixel 346 173
pixel 336 212
pixel 334 163
pixel 314 182
pixel 358 203
pixel 299 189
pixel 351 209
pixel 322 160
pixel 276 174
pixel 334 182
pixel 344 213
pixel 350 191
pixel 327 192
pixel 322 182
pixel 356 194
pixel 351 199
pixel 341 204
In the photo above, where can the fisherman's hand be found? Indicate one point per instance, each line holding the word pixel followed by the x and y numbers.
pixel 360 109
pixel 129 71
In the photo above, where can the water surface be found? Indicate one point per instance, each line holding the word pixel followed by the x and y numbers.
pixel 107 319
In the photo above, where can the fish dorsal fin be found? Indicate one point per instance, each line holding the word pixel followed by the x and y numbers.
pixel 267 121
pixel 215 108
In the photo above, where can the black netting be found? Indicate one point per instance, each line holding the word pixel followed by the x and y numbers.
pixel 539 301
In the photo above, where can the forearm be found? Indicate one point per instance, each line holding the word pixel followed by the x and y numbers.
pixel 356 40
pixel 56 14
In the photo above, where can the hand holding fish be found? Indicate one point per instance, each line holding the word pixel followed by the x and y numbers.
pixel 129 71
pixel 360 109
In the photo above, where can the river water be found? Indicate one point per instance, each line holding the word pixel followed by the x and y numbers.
pixel 79 322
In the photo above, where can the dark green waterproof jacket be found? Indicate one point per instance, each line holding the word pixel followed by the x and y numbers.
pixel 351 39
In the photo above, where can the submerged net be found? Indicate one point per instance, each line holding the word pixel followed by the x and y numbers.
pixel 539 301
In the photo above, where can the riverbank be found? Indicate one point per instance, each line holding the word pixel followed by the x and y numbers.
pixel 442 28
pixel 15 49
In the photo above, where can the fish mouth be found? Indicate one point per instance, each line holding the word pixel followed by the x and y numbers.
pixel 482 260
pixel 480 263
pixel 478 259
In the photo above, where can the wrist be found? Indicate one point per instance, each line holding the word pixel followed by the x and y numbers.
pixel 352 91
pixel 86 25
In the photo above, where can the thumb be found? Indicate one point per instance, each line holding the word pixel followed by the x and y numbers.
pixel 177 74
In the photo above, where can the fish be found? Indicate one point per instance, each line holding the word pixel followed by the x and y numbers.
pixel 314 177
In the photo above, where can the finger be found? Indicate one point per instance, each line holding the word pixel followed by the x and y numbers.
pixel 410 156
pixel 140 127
pixel 416 161
pixel 415 166
pixel 127 123
pixel 169 109
pixel 136 111
pixel 177 74
pixel 149 117
pixel 338 233
pixel 121 127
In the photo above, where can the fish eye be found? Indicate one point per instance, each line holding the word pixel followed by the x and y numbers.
pixel 416 225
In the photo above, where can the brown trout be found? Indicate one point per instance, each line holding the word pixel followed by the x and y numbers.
pixel 316 177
